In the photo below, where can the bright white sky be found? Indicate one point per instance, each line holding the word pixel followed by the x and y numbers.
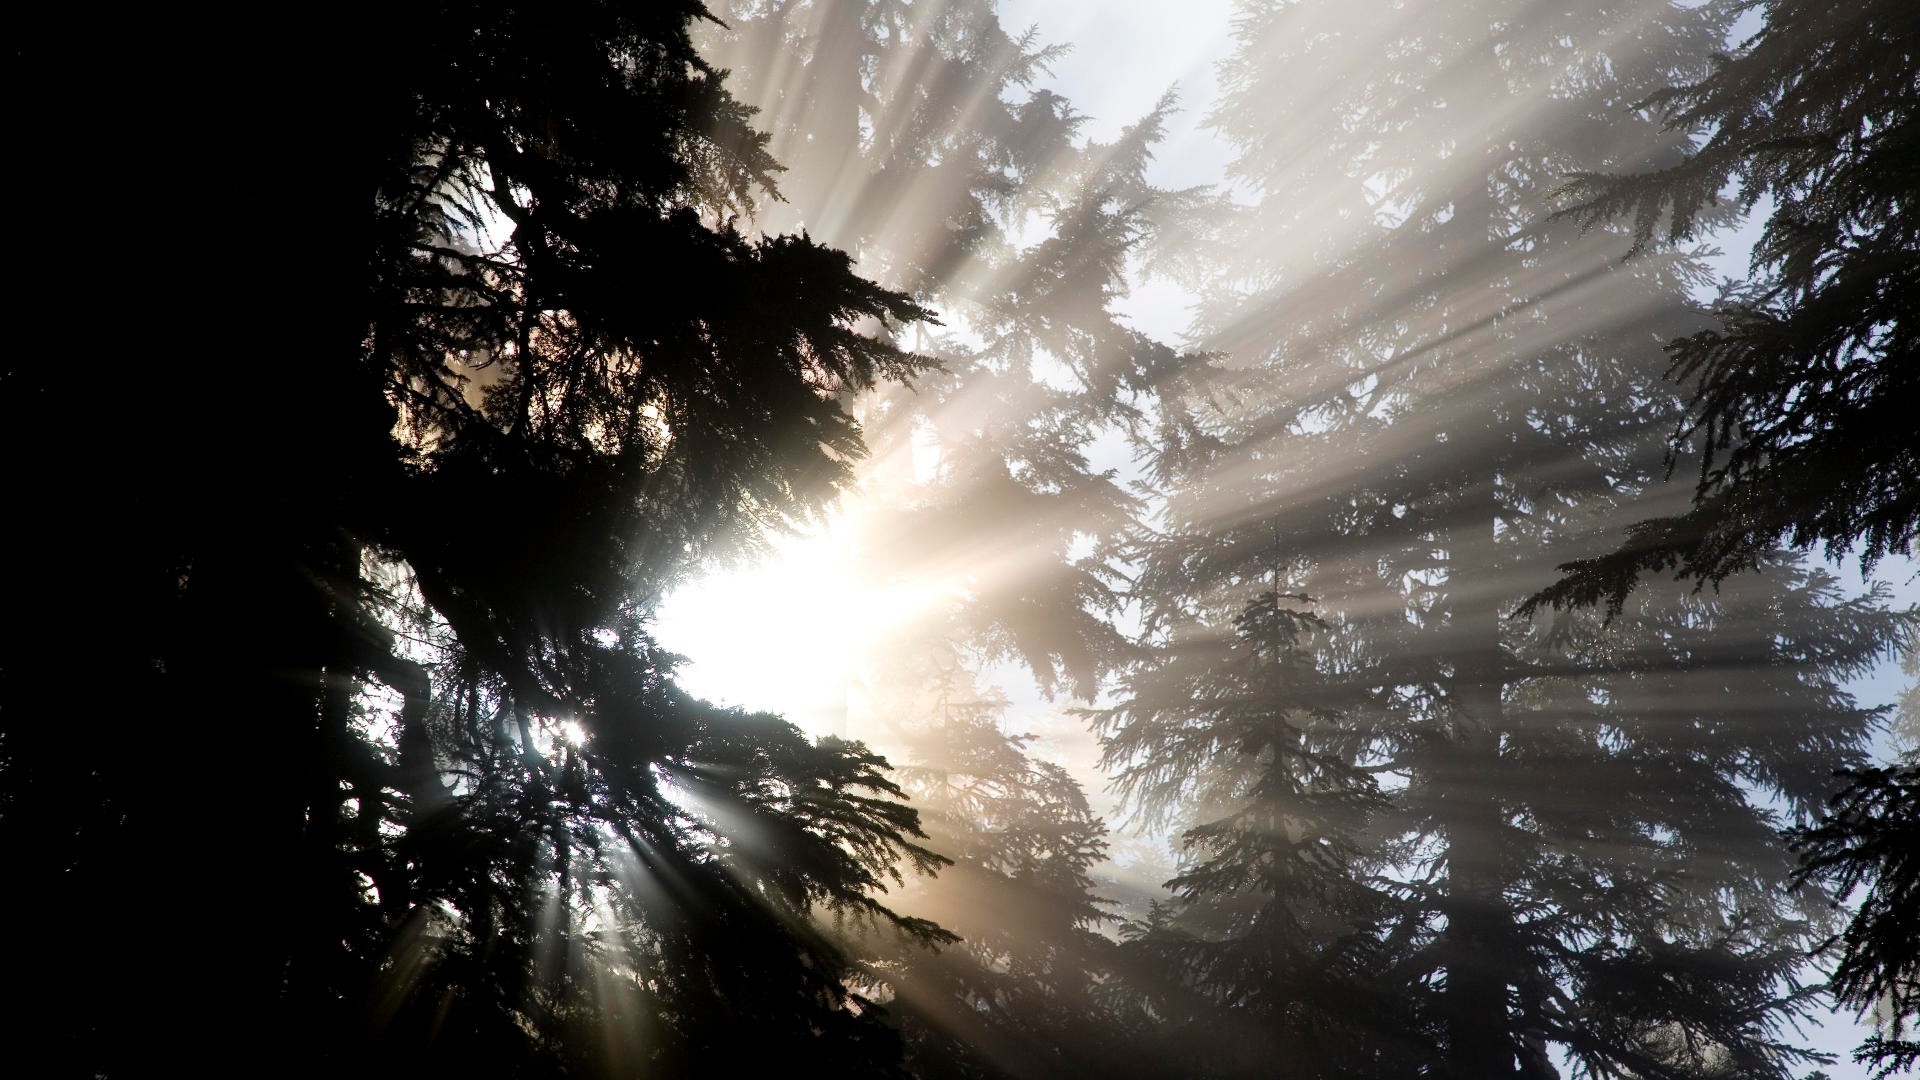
pixel 771 637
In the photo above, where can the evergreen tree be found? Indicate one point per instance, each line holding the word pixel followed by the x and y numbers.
pixel 1021 994
pixel 1269 959
pixel 1430 392
pixel 336 742
pixel 1802 387
pixel 1867 840
pixel 925 167
pixel 914 139
pixel 1870 840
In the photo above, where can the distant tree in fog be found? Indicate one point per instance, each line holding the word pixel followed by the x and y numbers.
pixel 915 138
pixel 1430 392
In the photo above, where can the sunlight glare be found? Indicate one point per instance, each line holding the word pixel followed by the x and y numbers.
pixel 785 634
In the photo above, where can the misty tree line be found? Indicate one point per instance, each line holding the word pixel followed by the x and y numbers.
pixel 380 377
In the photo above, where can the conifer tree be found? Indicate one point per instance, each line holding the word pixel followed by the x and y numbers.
pixel 914 139
pixel 1869 840
pixel 1268 959
pixel 1866 841
pixel 1801 388
pixel 373 767
pixel 925 166
pixel 1431 390
pixel 1021 995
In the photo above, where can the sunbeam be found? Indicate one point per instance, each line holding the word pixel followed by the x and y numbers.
pixel 967 538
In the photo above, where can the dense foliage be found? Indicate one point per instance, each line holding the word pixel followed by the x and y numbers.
pixel 1870 841
pixel 1803 386
pixel 1557 838
pixel 375 379
pixel 373 759
pixel 917 140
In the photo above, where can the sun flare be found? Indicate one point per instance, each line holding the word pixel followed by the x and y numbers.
pixel 785 634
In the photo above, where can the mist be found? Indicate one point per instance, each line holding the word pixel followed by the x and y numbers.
pixel 1371 389
pixel 956 538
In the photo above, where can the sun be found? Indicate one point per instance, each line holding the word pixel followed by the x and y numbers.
pixel 787 634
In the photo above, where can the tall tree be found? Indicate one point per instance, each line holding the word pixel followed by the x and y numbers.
pixel 1273 957
pixel 336 741
pixel 916 139
pixel 1431 392
pixel 1801 388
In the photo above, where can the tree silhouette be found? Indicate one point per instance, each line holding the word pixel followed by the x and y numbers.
pixel 1429 391
pixel 1801 386
pixel 1866 841
pixel 379 770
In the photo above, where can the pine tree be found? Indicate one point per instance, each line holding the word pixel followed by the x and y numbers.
pixel 924 167
pixel 340 745
pixel 1268 960
pixel 1431 390
pixel 1801 388
pixel 1021 994
pixel 1867 840
pixel 914 139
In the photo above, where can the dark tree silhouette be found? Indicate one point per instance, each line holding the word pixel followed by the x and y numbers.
pixel 1804 385
pixel 336 742
pixel 1870 840
pixel 1867 841
pixel 1430 393
pixel 1803 388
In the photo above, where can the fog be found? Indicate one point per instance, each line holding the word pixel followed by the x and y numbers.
pixel 1268 401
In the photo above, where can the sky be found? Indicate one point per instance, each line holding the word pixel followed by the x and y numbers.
pixel 1124 55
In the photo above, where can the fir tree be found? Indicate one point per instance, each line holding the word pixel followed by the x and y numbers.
pixel 379 771
pixel 1867 841
pixel 915 139
pixel 1021 995
pixel 1801 388
pixel 1269 960
pixel 1430 391
pixel 924 166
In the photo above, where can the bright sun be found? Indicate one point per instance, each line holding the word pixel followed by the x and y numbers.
pixel 784 635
